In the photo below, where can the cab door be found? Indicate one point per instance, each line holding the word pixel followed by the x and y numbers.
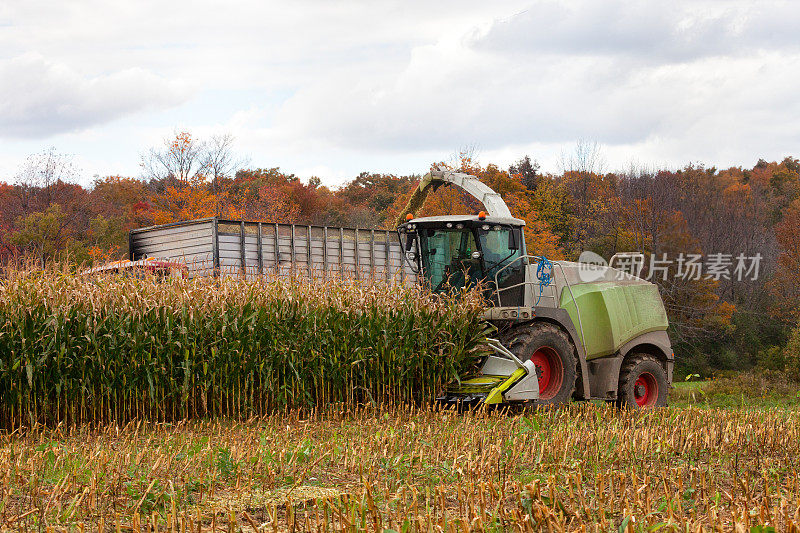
pixel 503 248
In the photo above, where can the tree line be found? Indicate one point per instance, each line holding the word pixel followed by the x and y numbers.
pixel 722 244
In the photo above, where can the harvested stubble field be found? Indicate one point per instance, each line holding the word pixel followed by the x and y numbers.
pixel 586 467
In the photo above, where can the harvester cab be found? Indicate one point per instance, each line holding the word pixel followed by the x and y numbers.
pixel 458 251
pixel 563 329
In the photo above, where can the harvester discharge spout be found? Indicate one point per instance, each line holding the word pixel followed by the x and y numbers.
pixel 492 201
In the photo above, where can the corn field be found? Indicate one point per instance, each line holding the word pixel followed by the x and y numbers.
pixel 215 405
pixel 98 349
pixel 581 468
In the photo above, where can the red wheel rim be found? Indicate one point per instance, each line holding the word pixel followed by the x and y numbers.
pixel 645 390
pixel 549 370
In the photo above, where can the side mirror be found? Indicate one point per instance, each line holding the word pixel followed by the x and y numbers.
pixel 513 239
pixel 409 242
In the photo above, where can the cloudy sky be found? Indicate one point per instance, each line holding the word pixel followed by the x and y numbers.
pixel 331 88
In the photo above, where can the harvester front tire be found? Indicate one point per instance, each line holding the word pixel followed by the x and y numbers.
pixel 642 383
pixel 554 356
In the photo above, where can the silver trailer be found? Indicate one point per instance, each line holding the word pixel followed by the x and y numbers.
pixel 219 247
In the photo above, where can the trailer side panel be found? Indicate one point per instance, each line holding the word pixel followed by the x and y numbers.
pixel 189 242
pixel 252 249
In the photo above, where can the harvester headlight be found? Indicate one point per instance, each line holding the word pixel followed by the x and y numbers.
pixel 485 227
pixel 449 224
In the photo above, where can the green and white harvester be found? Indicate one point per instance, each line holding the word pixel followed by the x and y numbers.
pixel 564 329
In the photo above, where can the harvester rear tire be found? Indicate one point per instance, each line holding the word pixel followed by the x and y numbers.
pixel 642 383
pixel 554 355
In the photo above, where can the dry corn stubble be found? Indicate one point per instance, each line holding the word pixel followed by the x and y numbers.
pixel 585 467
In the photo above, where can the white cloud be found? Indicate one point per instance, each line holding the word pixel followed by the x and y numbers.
pixel 651 32
pixel 339 87
pixel 700 80
pixel 41 98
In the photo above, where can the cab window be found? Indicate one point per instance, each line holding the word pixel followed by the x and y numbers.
pixel 447 257
pixel 500 246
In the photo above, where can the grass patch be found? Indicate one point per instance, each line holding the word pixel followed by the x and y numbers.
pixel 762 390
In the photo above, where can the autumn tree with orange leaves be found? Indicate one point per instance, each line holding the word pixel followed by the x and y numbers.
pixel 190 177
pixel 785 285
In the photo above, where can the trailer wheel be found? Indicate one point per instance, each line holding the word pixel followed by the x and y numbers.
pixel 642 383
pixel 554 356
